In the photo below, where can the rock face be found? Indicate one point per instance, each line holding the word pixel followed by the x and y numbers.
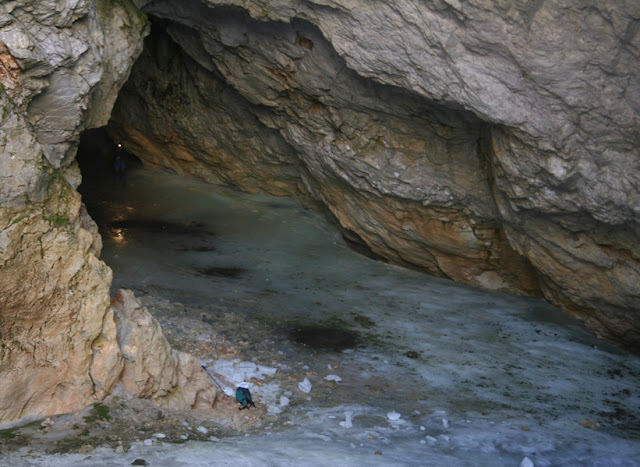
pixel 495 143
pixel 152 370
pixel 61 66
pixel 492 142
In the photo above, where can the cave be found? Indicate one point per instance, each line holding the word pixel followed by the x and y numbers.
pixel 397 241
pixel 260 140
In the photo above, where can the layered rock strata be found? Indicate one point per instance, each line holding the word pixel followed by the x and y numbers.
pixel 493 143
pixel 61 66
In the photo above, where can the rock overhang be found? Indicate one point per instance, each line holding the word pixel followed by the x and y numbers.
pixel 539 114
pixel 443 138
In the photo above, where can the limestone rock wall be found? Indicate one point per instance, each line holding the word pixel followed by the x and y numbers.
pixel 495 143
pixel 492 142
pixel 61 66
pixel 152 369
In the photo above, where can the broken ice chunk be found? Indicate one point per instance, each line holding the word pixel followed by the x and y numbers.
pixel 347 422
pixel 305 386
pixel 393 416
pixel 335 378
pixel 236 372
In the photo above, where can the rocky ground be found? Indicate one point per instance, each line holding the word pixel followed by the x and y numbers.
pixel 429 369
pixel 121 420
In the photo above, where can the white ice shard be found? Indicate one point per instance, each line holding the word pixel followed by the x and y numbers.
pixel 347 423
pixel 393 416
pixel 305 386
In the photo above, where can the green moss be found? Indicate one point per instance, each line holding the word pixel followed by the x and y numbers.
pixel 9 433
pixel 58 197
pixel 102 411
pixel 56 180
pixel 118 403
pixel 18 219
pixel 34 424
pixel 57 220
pixel 70 445
pixel 98 412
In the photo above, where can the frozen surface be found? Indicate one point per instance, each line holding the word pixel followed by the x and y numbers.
pixel 425 371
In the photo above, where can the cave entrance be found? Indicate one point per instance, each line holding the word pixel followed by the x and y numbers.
pixel 244 278
pixel 227 254
pixel 96 154
pixel 103 187
pixel 263 290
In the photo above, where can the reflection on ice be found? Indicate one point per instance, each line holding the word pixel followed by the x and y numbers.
pixel 401 368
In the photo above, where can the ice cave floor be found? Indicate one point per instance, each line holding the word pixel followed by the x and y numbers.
pixel 351 361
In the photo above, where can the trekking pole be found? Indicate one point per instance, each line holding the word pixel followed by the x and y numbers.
pixel 212 378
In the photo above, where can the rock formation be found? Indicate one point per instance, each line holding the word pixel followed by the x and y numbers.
pixel 495 143
pixel 151 368
pixel 61 66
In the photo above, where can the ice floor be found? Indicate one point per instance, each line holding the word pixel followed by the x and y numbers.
pixel 431 372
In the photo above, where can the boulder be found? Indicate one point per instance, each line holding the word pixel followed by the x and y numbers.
pixel 152 369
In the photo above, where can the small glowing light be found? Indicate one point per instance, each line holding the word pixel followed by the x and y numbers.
pixel 119 145
pixel 119 237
